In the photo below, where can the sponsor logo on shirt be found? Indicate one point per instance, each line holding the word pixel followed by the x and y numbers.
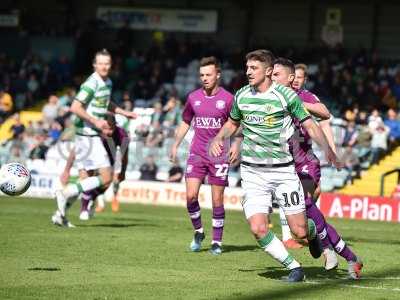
pixel 197 103
pixel 220 104
pixel 253 119
pixel 266 120
pixel 189 168
pixel 208 122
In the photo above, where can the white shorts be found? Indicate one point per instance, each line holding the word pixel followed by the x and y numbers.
pixel 90 153
pixel 261 184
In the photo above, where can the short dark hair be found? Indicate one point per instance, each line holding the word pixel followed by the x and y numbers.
pixel 285 62
pixel 103 52
pixel 262 55
pixel 210 60
pixel 302 67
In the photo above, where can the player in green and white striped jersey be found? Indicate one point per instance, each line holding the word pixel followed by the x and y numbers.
pixel 92 105
pixel 265 110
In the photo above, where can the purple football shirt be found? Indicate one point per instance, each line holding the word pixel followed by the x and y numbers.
pixel 207 114
pixel 301 143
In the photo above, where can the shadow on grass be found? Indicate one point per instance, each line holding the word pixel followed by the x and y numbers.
pixel 127 219
pixel 323 282
pixel 49 269
pixel 312 273
pixel 239 248
pixel 116 225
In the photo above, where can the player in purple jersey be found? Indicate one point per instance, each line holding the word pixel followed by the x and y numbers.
pixel 119 139
pixel 206 109
pixel 308 169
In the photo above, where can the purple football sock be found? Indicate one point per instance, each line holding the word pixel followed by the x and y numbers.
pixel 313 213
pixel 339 245
pixel 87 198
pixel 195 215
pixel 218 223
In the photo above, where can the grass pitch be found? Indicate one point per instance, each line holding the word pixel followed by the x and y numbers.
pixel 142 253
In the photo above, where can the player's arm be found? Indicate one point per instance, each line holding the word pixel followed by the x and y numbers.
pixel 234 151
pixel 225 132
pixel 318 136
pixel 296 108
pixel 183 128
pixel 327 130
pixel 78 108
pixel 64 177
pixel 180 134
pixel 318 110
pixel 229 128
pixel 119 111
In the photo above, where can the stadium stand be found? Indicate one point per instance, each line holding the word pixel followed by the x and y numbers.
pixel 156 82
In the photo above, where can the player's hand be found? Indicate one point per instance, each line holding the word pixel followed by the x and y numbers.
pixel 332 159
pixel 216 147
pixel 104 127
pixel 131 115
pixel 64 177
pixel 173 153
pixel 234 153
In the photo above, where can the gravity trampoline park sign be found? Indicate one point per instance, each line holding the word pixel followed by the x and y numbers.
pixel 160 19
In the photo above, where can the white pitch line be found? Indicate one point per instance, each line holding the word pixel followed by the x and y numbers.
pixel 381 278
pixel 357 286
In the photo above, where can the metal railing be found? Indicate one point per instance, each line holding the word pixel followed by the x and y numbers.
pixel 384 175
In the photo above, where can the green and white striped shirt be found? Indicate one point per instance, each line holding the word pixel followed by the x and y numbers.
pixel 95 94
pixel 267 122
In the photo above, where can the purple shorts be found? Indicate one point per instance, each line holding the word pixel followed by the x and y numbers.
pixel 119 138
pixel 215 171
pixel 309 170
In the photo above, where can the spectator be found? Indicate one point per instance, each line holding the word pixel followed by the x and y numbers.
pixel 172 116
pixel 66 99
pixel 350 135
pixel 141 132
pixel 17 155
pixel 374 119
pixel 148 171
pixel 175 174
pixel 363 139
pixel 50 110
pixel 6 104
pixel 393 123
pixel 33 85
pixel 158 113
pixel 155 136
pixel 379 142
pixel 55 132
pixel 18 128
pixel 351 163
pixel 40 149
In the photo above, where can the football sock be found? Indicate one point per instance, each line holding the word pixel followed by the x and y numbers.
pixel 312 230
pixel 315 215
pixel 274 247
pixel 286 234
pixel 339 245
pixel 218 224
pixel 82 185
pixel 88 198
pixel 195 215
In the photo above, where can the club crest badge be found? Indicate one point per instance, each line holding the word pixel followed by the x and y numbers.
pixel 220 104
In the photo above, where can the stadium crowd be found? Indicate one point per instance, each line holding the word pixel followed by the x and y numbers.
pixel 361 90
